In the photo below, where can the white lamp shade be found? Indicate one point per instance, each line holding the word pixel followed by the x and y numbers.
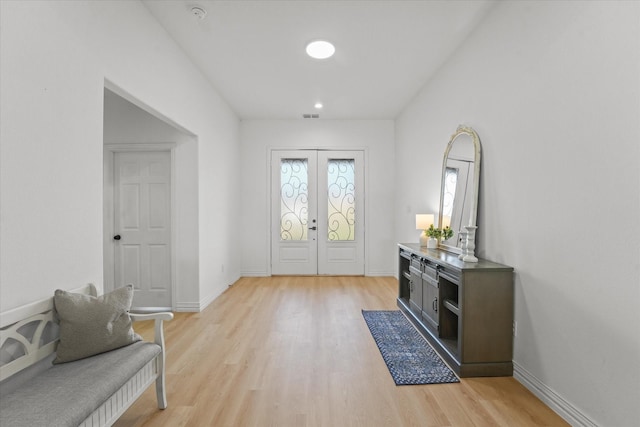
pixel 424 221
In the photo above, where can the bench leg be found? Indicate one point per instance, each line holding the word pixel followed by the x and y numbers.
pixel 160 389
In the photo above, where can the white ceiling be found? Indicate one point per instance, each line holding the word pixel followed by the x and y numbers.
pixel 253 52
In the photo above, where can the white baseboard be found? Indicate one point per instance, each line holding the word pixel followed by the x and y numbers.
pixel 204 302
pixel 208 300
pixel 372 273
pixel 557 403
pixel 196 307
pixel 258 273
pixel 187 307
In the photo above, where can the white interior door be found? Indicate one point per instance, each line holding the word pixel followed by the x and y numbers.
pixel 317 211
pixel 142 226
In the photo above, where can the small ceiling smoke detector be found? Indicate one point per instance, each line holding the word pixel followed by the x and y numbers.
pixel 198 12
pixel 320 49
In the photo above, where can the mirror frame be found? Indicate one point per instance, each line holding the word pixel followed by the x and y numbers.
pixel 462 130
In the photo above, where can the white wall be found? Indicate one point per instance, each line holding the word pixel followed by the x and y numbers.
pixel 374 136
pixel 125 123
pixel 553 90
pixel 55 57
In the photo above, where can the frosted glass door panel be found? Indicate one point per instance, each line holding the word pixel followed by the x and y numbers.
pixel 341 199
pixel 294 199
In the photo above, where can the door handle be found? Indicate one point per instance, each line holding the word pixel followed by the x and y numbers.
pixel 117 237
pixel 313 228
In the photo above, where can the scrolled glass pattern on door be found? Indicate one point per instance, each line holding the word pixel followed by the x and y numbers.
pixel 294 199
pixel 341 199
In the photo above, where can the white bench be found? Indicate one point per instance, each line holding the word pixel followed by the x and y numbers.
pixel 94 391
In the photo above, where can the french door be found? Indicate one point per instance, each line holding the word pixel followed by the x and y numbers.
pixel 317 212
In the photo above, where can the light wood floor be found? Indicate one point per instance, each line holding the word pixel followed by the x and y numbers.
pixel 295 351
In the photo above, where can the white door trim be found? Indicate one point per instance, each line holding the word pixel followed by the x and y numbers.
pixel 108 216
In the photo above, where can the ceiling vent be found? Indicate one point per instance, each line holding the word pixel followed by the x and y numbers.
pixel 311 116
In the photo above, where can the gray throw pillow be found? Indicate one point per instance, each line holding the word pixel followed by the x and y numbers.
pixel 91 325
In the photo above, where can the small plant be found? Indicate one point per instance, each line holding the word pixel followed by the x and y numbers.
pixel 437 233
pixel 447 233
pixel 433 232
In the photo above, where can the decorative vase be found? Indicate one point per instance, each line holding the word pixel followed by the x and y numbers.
pixel 424 240
pixel 432 243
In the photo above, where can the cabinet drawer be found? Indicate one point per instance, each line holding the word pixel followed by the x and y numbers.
pixel 430 271
pixel 451 275
pixel 415 271
pixel 426 278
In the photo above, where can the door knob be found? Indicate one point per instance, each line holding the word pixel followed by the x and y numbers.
pixel 313 228
pixel 116 237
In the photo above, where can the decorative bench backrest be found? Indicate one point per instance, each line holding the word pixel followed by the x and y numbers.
pixel 30 333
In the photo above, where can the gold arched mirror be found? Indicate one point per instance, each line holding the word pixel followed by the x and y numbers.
pixel 459 191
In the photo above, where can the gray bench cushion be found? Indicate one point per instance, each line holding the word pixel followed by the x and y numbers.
pixel 66 394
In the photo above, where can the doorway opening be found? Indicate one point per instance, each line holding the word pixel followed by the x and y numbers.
pixel 150 204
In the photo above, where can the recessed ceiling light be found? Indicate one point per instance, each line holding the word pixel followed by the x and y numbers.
pixel 320 49
pixel 318 105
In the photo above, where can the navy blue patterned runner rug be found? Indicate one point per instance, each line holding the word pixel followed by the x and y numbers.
pixel 409 357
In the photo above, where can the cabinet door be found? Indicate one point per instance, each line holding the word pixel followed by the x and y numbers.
pixel 430 301
pixel 415 286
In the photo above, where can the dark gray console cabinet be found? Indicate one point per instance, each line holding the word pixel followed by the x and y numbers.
pixel 465 310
